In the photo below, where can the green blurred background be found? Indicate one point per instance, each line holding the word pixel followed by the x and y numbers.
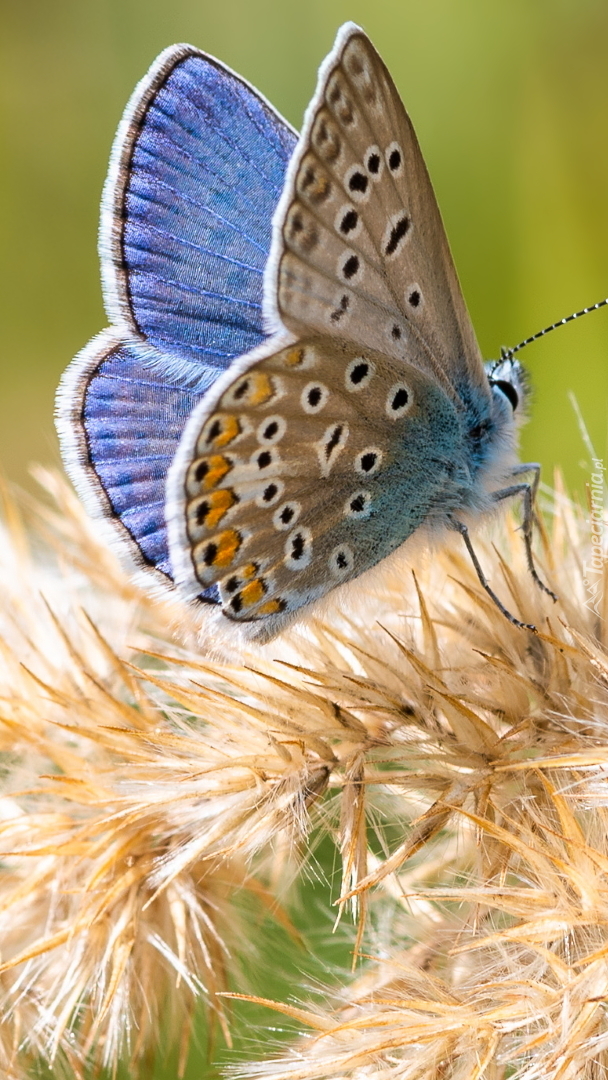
pixel 510 101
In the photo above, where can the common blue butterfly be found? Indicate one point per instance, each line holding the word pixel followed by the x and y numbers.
pixel 291 385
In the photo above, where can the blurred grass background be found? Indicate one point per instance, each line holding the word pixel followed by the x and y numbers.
pixel 509 98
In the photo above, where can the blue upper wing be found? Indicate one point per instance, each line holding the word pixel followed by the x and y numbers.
pixel 196 172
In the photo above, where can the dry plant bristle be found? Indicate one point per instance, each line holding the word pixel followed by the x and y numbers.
pixel 460 764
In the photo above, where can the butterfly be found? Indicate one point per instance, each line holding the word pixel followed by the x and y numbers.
pixel 291 385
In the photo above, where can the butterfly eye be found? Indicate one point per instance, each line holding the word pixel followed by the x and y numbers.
pixel 509 392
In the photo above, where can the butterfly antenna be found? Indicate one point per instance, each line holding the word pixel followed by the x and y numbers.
pixel 506 354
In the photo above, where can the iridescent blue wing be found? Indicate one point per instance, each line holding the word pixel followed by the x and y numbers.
pixel 196 172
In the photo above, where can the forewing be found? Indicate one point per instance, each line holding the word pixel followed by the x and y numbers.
pixel 196 172
pixel 195 176
pixel 311 466
pixel 359 249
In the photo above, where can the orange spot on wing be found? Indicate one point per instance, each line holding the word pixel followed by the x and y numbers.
pixel 211 510
pixel 294 358
pixel 221 430
pixel 218 467
pixel 247 571
pixel 221 550
pixel 261 389
pixel 252 593
pixel 271 607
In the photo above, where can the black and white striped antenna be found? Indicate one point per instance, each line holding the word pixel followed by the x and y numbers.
pixel 506 354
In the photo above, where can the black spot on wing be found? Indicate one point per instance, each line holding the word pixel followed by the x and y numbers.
pixel 397 234
pixel 341 310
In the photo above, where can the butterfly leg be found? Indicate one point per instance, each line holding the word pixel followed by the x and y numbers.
pixel 464 532
pixel 528 493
